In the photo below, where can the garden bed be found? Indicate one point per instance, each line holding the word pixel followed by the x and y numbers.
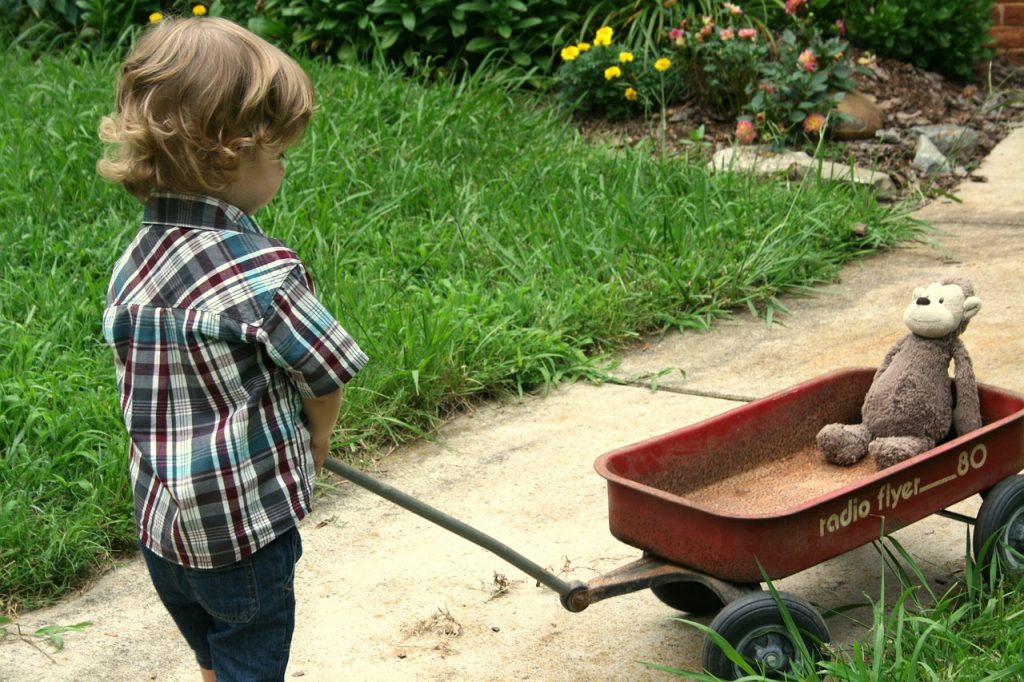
pixel 907 95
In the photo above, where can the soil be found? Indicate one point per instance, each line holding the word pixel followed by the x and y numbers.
pixel 907 95
pixel 757 491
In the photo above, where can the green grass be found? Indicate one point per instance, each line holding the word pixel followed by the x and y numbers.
pixel 468 239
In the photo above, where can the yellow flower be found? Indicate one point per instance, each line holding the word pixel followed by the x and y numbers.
pixel 625 57
pixel 156 17
pixel 199 10
pixel 612 72
pixel 663 64
pixel 866 59
pixel 630 94
pixel 604 36
pixel 570 53
pixel 583 47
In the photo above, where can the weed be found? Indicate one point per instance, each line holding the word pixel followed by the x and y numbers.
pixel 50 634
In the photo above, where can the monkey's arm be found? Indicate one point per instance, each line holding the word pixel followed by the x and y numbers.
pixel 967 413
pixel 889 356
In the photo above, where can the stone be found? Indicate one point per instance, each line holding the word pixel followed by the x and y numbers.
pixel 864 117
pixel 880 182
pixel 928 159
pixel 955 142
pixel 760 159
pixel 888 135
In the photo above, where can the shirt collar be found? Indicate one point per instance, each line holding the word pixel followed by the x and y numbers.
pixel 196 211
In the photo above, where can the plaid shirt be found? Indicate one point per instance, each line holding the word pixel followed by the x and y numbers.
pixel 217 335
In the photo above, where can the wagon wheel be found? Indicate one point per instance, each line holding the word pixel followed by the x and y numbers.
pixel 693 597
pixel 999 529
pixel 754 626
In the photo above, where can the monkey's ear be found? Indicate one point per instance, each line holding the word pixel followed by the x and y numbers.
pixel 972 304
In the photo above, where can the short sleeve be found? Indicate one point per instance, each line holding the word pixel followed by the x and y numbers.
pixel 301 336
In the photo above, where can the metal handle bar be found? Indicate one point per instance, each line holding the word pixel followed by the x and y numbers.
pixel 392 494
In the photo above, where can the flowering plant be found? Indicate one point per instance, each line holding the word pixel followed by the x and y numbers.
pixel 774 85
pixel 798 90
pixel 598 77
pixel 719 55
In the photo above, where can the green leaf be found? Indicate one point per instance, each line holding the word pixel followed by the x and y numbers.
pixel 481 44
pixel 409 20
pixel 528 22
pixel 388 37
pixel 482 7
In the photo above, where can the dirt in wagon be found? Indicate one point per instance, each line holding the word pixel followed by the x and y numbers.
pixel 757 490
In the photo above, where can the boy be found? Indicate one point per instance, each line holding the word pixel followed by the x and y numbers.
pixel 228 368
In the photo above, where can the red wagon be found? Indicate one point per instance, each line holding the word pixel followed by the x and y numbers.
pixel 746 494
pixel 718 506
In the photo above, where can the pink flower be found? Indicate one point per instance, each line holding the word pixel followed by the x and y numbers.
pixel 808 61
pixel 841 27
pixel 748 33
pixel 675 34
pixel 726 34
pixel 792 6
pixel 745 131
pixel 814 123
pixel 767 87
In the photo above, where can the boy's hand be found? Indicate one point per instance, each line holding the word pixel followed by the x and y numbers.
pixel 322 413
pixel 321 449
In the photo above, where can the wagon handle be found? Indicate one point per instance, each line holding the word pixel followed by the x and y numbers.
pixel 564 589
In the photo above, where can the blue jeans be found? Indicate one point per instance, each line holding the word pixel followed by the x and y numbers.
pixel 238 619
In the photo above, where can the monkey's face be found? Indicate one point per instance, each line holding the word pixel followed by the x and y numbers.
pixel 939 309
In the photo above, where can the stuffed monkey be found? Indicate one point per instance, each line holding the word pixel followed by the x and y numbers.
pixel 910 405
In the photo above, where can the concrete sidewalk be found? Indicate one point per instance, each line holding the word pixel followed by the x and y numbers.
pixel 386 595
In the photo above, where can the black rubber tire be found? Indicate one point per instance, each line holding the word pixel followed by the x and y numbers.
pixel 999 529
pixel 693 597
pixel 754 626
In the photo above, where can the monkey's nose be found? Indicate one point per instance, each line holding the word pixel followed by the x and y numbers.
pixel 923 301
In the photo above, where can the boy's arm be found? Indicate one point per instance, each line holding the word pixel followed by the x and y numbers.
pixel 322 413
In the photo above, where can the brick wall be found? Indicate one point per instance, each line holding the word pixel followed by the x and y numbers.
pixel 1008 28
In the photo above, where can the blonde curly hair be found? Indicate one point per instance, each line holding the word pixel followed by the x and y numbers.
pixel 194 96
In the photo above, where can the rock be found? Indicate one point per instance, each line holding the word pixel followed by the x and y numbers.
pixel 864 117
pixel 888 135
pixel 953 141
pixel 880 182
pixel 761 160
pixel 928 158
pixel 758 159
